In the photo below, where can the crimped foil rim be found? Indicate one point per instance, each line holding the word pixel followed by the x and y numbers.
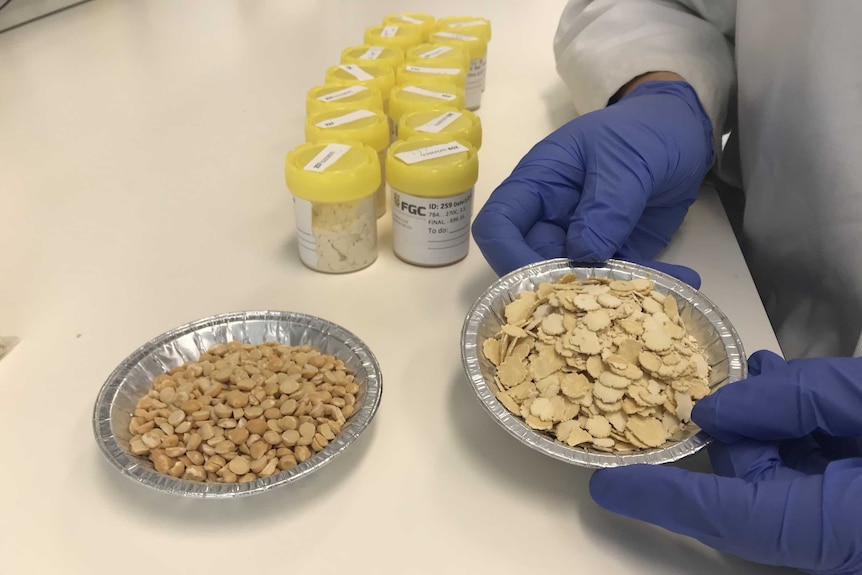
pixel 134 467
pixel 532 275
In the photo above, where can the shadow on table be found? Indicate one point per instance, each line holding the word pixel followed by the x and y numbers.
pixel 154 506
pixel 558 105
pixel 289 250
pixel 475 285
pixel 556 485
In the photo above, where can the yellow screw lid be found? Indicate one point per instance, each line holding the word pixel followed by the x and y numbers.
pixel 424 22
pixel 475 44
pixel 454 123
pixel 373 56
pixel 369 127
pixel 425 73
pixel 434 166
pixel 393 36
pixel 365 75
pixel 439 55
pixel 413 98
pixel 332 171
pixel 466 25
pixel 334 96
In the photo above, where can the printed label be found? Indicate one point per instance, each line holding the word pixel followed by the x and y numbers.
pixel 466 24
pixel 345 119
pixel 407 18
pixel 429 93
pixel 436 52
pixel 455 36
pixel 356 72
pixel 339 94
pixel 389 31
pixel 427 70
pixel 326 157
pixel 439 123
pixel 430 152
pixel 475 83
pixel 304 233
pixel 431 231
pixel 372 53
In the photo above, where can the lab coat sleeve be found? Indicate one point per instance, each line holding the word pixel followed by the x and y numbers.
pixel 601 45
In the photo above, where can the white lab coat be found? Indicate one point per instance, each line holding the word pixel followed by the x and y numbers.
pixel 791 71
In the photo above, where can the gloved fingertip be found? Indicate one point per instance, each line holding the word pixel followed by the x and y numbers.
pixel 705 415
pixel 764 361
pixel 682 273
pixel 547 240
pixel 604 485
pixel 585 254
pixel 613 488
pixel 583 244
pixel 708 412
pixel 689 276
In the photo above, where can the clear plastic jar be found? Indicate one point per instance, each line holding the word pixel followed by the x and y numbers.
pixel 369 127
pixel 366 54
pixel 430 73
pixel 451 122
pixel 333 186
pixel 393 36
pixel 333 97
pixel 415 98
pixel 477 47
pixel 425 23
pixel 432 179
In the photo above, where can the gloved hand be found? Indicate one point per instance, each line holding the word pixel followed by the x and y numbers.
pixel 616 182
pixel 682 273
pixel 788 463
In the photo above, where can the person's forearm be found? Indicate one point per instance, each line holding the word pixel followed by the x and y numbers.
pixel 649 76
pixel 601 45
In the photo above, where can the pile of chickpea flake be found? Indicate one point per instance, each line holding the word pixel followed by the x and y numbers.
pixel 598 363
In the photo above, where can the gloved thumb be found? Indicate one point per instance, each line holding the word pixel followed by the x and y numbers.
pixel 764 361
pixel 681 273
pixel 728 514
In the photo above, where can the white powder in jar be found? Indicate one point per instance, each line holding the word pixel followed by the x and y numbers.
pixel 337 237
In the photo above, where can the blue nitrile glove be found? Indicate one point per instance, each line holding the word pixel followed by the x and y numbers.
pixel 788 489
pixel 682 273
pixel 616 182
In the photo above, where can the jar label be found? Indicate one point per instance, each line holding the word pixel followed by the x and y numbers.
pixel 431 152
pixel 356 72
pixel 304 235
pixel 407 18
pixel 372 53
pixel 455 36
pixel 389 31
pixel 345 119
pixel 326 157
pixel 475 83
pixel 439 123
pixel 436 52
pixel 427 70
pixel 429 93
pixel 339 94
pixel 466 24
pixel 431 231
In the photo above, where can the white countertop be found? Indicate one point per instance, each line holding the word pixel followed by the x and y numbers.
pixel 141 187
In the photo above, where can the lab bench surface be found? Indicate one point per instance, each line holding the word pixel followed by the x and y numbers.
pixel 141 169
